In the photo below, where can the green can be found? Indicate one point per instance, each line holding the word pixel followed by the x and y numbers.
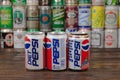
pixel 32 30
pixel 84 2
pixel 111 2
pixel 19 2
pixel 6 17
pixel 57 2
pixel 58 17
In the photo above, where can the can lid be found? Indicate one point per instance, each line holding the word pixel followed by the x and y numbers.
pixel 35 33
pixel 6 30
pixel 56 33
pixel 81 34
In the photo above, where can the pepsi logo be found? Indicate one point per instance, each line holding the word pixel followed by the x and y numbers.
pixel 48 43
pixel 85 44
pixel 27 42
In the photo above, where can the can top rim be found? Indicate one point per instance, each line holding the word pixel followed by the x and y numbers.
pixel 6 30
pixel 79 33
pixel 56 33
pixel 35 33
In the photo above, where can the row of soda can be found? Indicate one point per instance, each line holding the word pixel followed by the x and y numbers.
pixel 56 51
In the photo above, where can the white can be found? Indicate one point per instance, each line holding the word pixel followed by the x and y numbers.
pixel 97 38
pixel 111 38
pixel 85 30
pixel 19 38
pixel 70 30
pixel 19 17
pixel 32 2
pixel 118 38
pixel 98 2
pixel 111 16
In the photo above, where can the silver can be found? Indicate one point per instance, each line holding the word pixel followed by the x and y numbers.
pixel 111 38
pixel 32 2
pixel 45 18
pixel 71 2
pixel 19 38
pixel 118 38
pixel 19 17
pixel 98 2
pixel 85 30
pixel 97 38
pixel 111 16
pixel 32 17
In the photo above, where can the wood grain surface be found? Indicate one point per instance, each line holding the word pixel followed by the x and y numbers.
pixel 104 65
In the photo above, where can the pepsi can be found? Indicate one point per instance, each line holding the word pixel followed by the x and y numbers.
pixel 34 50
pixel 79 50
pixel 56 51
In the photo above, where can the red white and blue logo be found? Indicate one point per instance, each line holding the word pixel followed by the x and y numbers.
pixel 48 43
pixel 27 42
pixel 85 45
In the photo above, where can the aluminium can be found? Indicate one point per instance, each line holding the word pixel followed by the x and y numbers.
pixel 98 2
pixel 97 38
pixel 98 18
pixel 19 2
pixel 34 50
pixel 111 16
pixel 32 2
pixel 79 51
pixel 111 2
pixel 19 17
pixel 32 18
pixel 118 38
pixel 45 18
pixel 58 16
pixel 118 16
pixel 45 3
pixel 71 2
pixel 71 19
pixel 19 38
pixel 57 2
pixel 7 39
pixel 84 2
pixel 84 15
pixel 85 31
pixel 56 51
pixel 71 30
pixel 111 38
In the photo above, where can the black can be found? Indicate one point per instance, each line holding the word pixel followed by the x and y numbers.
pixel 7 40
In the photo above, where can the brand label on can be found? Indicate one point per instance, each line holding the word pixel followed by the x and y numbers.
pixel 19 2
pixel 32 2
pixel 57 2
pixel 98 2
pixel 84 16
pixel 6 17
pixel 111 2
pixel 96 39
pixel 97 17
pixel 44 18
pixel 71 17
pixel 119 17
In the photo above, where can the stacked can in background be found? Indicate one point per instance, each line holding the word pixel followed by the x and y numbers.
pixel 84 16
pixel 58 15
pixel 71 16
pixel 111 24
pixel 97 38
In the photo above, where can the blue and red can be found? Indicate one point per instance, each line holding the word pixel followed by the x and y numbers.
pixel 34 51
pixel 56 51
pixel 79 50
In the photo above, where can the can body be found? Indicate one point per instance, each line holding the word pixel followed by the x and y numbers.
pixel 58 18
pixel 19 17
pixel 45 18
pixel 32 18
pixel 111 38
pixel 71 2
pixel 85 31
pixel 7 38
pixel 6 17
pixel 98 2
pixel 118 38
pixel 111 17
pixel 34 51
pixel 98 16
pixel 45 3
pixel 84 16
pixel 79 50
pixel 71 13
pixel 97 38
pixel 84 2
pixel 57 2
pixel 19 2
pixel 56 51
pixel 19 38
pixel 111 2
pixel 70 30
pixel 119 17
pixel 32 2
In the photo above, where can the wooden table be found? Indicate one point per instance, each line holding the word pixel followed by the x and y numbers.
pixel 104 65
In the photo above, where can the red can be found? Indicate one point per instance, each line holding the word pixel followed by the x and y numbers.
pixel 71 16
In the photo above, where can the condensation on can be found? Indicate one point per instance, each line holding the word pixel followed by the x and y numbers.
pixel 19 2
pixel 111 16
pixel 57 2
pixel 111 2
pixel 98 16
pixel 32 18
pixel 19 17
pixel 58 18
pixel 111 38
pixel 71 12
pixel 97 38
pixel 118 38
pixel 34 50
pixel 45 18
pixel 71 2
pixel 84 15
pixel 98 2
pixel 19 38
pixel 32 2
pixel 7 40
pixel 45 3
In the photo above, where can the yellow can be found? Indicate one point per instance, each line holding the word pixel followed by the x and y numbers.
pixel 119 18
pixel 98 16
